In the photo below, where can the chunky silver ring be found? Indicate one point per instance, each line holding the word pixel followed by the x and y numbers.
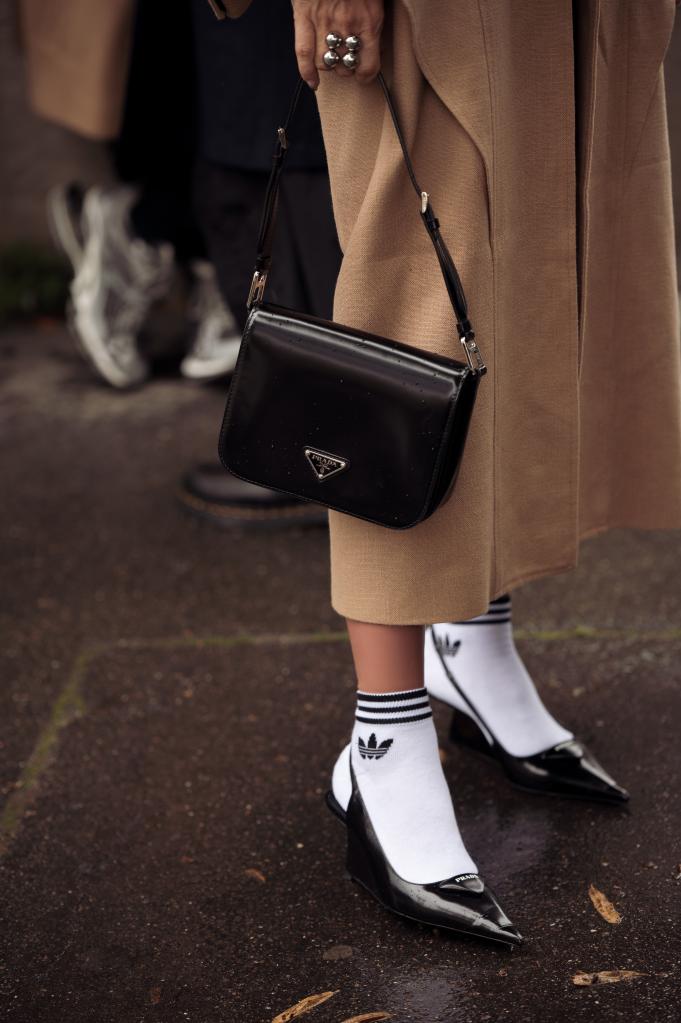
pixel 333 40
pixel 331 58
pixel 352 43
pixel 350 60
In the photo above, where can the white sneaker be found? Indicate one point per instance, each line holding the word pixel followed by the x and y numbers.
pixel 64 217
pixel 216 344
pixel 119 279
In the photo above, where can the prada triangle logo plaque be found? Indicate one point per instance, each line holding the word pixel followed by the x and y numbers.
pixel 325 465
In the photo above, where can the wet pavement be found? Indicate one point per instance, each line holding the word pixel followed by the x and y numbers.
pixel 173 696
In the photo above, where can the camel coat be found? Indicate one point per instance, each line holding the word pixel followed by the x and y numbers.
pixel 546 159
pixel 78 56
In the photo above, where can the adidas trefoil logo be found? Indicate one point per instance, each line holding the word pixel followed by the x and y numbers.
pixel 444 645
pixel 373 750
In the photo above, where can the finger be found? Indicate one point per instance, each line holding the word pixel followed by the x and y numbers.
pixel 369 58
pixel 306 50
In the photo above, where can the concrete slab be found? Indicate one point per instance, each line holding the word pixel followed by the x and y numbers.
pixel 173 698
pixel 179 862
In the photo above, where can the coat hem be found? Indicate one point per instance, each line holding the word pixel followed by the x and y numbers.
pixel 461 612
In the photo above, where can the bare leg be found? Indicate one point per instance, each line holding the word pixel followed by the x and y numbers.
pixel 387 658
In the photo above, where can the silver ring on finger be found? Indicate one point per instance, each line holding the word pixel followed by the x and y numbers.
pixel 351 56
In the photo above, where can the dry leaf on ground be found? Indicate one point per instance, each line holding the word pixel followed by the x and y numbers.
pixel 256 874
pixel 604 906
pixel 605 977
pixel 368 1017
pixel 303 1006
pixel 338 952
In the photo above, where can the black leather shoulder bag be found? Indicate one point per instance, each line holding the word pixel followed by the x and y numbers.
pixel 362 424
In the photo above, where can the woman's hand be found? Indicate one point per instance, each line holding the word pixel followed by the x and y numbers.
pixel 314 19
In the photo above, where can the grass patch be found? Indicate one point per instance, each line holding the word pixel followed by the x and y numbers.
pixel 34 281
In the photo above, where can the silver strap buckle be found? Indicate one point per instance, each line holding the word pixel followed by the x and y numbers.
pixel 473 355
pixel 257 288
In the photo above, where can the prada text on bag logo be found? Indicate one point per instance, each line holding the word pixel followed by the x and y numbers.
pixel 325 465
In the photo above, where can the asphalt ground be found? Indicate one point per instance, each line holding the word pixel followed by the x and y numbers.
pixel 173 697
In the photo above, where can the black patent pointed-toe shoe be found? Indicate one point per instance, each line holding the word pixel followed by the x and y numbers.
pixel 568 769
pixel 462 904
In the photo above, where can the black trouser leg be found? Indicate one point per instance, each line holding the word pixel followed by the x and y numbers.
pixel 156 149
pixel 306 254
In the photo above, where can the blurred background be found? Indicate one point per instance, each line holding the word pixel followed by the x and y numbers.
pixel 162 622
pixel 37 155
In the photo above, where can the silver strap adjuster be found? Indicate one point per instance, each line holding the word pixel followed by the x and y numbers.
pixel 257 288
pixel 473 355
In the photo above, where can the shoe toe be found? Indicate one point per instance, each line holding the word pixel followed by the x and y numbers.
pixel 489 928
pixel 470 902
pixel 608 790
pixel 568 769
pixel 494 923
pixel 574 768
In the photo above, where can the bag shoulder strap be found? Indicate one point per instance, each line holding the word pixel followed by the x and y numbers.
pixel 430 221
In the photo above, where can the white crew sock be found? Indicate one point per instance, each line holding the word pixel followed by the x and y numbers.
pixel 396 761
pixel 481 656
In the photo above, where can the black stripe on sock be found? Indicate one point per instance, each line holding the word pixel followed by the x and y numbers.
pixel 489 618
pixel 408 694
pixel 393 721
pixel 395 710
pixel 489 621
pixel 499 610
